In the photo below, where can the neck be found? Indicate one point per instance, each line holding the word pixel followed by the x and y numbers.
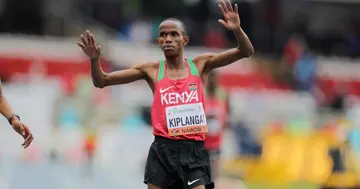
pixel 176 62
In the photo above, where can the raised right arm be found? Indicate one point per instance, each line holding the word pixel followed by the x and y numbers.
pixel 102 79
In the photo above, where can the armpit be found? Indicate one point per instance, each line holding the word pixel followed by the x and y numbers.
pixel 201 61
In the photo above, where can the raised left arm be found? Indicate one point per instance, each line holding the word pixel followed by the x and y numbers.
pixel 244 49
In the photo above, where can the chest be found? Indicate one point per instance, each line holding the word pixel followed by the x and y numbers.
pixel 177 74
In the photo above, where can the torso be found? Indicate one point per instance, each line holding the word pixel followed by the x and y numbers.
pixel 178 110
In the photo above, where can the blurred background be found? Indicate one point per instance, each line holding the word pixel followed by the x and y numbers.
pixel 295 107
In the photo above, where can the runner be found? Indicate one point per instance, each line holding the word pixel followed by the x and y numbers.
pixel 217 111
pixel 89 147
pixel 178 157
pixel 14 120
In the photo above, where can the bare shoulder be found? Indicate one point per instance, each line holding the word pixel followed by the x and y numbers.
pixel 202 59
pixel 146 66
pixel 149 68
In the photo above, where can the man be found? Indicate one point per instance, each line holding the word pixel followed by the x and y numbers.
pixel 14 120
pixel 89 147
pixel 217 110
pixel 178 157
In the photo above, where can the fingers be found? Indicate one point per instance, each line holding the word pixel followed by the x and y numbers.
pixel 22 131
pixel 92 40
pixel 226 7
pixel 230 6
pixel 98 49
pixel 25 136
pixel 28 141
pixel 223 5
pixel 28 137
pixel 222 22
pixel 236 8
pixel 88 37
pixel 80 45
pixel 222 9
pixel 84 41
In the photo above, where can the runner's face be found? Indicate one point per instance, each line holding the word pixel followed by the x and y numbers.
pixel 172 38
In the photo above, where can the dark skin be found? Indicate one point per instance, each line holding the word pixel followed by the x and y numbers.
pixel 172 40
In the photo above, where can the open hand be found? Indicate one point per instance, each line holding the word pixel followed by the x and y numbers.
pixel 231 16
pixel 24 131
pixel 89 46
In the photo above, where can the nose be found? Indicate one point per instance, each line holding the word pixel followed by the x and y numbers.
pixel 168 39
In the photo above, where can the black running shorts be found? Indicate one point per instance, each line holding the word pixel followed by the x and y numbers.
pixel 174 164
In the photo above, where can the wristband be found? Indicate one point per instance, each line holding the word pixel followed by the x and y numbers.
pixel 11 117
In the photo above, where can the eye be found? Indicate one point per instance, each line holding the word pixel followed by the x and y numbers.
pixel 162 34
pixel 175 34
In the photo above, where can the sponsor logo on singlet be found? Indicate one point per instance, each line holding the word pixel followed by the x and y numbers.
pixel 179 98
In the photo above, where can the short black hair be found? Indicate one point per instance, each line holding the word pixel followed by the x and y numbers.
pixel 177 20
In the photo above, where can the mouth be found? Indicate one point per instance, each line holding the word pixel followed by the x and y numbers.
pixel 168 47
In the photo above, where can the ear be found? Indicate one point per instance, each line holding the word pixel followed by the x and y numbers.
pixel 186 40
pixel 157 41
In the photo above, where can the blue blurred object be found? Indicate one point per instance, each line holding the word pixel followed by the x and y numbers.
pixel 304 71
pixel 154 28
pixel 354 43
pixel 245 141
pixel 354 140
pixel 124 32
pixel 132 123
pixel 68 116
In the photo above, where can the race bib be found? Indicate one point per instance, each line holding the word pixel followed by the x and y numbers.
pixel 214 126
pixel 186 119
